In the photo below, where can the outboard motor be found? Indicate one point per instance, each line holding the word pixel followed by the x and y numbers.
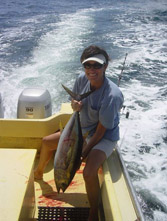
pixel 34 103
pixel 1 108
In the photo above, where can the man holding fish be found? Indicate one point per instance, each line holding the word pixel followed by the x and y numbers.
pixel 99 119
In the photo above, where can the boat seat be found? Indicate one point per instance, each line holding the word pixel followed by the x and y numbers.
pixel 17 184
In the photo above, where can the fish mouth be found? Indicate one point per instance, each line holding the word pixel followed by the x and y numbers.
pixel 64 187
pixel 61 186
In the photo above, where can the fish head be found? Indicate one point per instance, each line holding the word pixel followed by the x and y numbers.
pixel 61 179
pixel 61 186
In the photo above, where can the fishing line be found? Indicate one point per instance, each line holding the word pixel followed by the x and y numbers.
pixel 124 106
pixel 123 137
pixel 123 67
pixel 119 80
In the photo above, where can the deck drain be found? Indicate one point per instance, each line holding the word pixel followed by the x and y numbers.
pixel 63 213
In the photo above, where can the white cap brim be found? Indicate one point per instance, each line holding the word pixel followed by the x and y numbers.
pixel 98 58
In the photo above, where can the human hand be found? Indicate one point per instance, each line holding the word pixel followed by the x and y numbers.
pixel 76 105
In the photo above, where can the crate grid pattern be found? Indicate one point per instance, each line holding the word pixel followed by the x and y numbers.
pixel 63 213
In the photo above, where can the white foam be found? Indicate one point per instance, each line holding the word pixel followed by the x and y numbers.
pixel 143 143
pixel 53 62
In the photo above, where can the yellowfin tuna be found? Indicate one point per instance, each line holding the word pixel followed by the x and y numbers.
pixel 68 155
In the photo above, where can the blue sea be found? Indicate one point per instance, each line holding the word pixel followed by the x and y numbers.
pixel 40 46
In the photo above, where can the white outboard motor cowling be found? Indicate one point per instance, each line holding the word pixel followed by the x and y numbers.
pixel 34 103
pixel 1 108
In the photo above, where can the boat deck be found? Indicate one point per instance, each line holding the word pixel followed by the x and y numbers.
pixel 74 200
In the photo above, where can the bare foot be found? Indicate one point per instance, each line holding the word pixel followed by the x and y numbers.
pixel 38 175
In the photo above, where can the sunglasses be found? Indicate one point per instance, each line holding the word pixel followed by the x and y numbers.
pixel 94 66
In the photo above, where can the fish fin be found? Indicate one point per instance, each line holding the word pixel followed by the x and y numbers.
pixel 77 97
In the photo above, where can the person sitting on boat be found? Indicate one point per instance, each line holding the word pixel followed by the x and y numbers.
pixel 99 115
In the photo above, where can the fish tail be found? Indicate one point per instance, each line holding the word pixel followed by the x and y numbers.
pixel 72 94
pixel 75 96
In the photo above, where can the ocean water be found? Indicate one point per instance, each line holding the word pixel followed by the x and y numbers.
pixel 41 43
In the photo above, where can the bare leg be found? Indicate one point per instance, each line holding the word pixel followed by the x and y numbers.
pixel 94 161
pixel 49 144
